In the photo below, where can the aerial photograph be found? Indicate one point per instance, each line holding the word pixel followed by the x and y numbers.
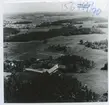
pixel 55 52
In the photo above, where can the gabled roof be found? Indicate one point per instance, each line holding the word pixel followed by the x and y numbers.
pixel 53 69
pixel 34 70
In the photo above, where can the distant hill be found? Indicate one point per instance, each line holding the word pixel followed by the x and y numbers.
pixel 64 31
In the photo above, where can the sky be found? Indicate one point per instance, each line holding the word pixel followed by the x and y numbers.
pixel 28 7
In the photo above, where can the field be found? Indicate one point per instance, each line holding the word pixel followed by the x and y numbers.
pixel 95 78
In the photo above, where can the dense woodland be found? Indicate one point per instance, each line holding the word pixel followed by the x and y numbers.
pixel 23 22
pixel 8 31
pixel 46 88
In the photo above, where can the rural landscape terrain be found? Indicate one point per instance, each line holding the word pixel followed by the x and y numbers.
pixel 55 57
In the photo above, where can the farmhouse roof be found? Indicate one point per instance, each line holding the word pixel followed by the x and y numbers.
pixel 53 69
pixel 50 71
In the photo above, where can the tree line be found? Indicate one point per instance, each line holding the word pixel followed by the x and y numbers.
pixel 102 45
